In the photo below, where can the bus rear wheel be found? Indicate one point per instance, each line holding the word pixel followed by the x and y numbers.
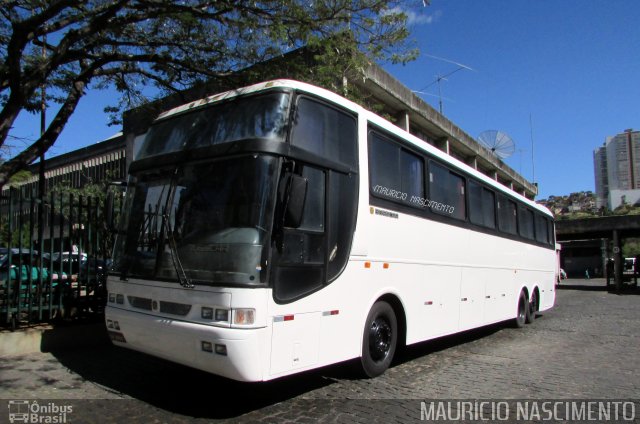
pixel 379 339
pixel 523 307
pixel 532 308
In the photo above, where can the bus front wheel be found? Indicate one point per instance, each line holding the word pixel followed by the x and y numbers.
pixel 379 339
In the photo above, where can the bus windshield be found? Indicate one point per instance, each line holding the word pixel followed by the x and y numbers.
pixel 208 221
pixel 263 116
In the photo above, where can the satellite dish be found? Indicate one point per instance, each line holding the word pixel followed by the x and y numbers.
pixel 498 142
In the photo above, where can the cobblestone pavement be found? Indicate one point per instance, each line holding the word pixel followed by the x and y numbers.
pixel 587 347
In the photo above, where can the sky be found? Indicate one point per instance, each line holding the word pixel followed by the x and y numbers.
pixel 557 76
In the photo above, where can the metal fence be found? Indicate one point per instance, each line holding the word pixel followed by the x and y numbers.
pixel 54 256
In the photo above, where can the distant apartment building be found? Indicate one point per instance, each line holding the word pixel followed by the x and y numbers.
pixel 617 170
pixel 602 180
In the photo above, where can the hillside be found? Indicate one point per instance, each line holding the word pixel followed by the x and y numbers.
pixel 582 205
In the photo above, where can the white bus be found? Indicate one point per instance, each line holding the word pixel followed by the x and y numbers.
pixel 279 228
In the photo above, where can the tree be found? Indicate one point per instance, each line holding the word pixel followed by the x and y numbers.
pixel 68 46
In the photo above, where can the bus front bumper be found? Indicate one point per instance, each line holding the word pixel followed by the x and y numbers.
pixel 228 352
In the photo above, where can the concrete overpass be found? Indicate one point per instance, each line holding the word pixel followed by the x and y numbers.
pixel 610 230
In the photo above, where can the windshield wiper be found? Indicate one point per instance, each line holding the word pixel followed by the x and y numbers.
pixel 183 279
pixel 175 258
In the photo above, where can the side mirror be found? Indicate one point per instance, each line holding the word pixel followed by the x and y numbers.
pixel 295 202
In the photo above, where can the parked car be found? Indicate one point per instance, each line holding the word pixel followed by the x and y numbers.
pixel 93 277
pixel 29 261
pixel 20 280
pixel 24 259
pixel 69 259
pixel 94 271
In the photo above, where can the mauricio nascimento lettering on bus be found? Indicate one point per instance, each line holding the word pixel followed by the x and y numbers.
pixel 425 203
pixel 390 192
pixel 528 410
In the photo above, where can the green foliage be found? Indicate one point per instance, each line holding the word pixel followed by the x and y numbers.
pixel 626 210
pixel 20 177
pixel 630 247
pixel 576 215
pixel 19 237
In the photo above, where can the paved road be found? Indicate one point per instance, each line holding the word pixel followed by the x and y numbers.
pixel 587 347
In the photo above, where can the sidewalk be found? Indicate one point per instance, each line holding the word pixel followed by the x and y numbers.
pixel 50 337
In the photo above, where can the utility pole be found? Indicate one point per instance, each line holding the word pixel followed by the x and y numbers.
pixel 41 181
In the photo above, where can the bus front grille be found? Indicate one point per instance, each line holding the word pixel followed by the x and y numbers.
pixel 140 302
pixel 173 308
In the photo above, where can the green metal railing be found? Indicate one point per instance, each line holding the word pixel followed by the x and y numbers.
pixel 54 256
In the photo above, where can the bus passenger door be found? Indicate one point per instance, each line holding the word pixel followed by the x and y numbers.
pixel 310 254
pixel 299 269
pixel 299 256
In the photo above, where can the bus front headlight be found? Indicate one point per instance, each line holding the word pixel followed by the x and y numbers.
pixel 244 316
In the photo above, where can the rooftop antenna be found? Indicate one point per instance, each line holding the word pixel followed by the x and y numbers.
pixel 459 67
pixel 533 168
pixel 432 95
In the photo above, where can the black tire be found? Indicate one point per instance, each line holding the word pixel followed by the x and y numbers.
pixel 379 340
pixel 523 306
pixel 532 308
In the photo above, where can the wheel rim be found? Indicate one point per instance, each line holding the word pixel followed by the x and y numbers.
pixel 522 309
pixel 380 335
pixel 532 304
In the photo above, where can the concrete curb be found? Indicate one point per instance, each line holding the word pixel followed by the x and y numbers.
pixel 51 338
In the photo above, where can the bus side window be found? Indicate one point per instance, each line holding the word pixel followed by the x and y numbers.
pixel 396 174
pixel 447 191
pixel 542 232
pixel 481 205
pixel 325 131
pixel 507 216
pixel 525 222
